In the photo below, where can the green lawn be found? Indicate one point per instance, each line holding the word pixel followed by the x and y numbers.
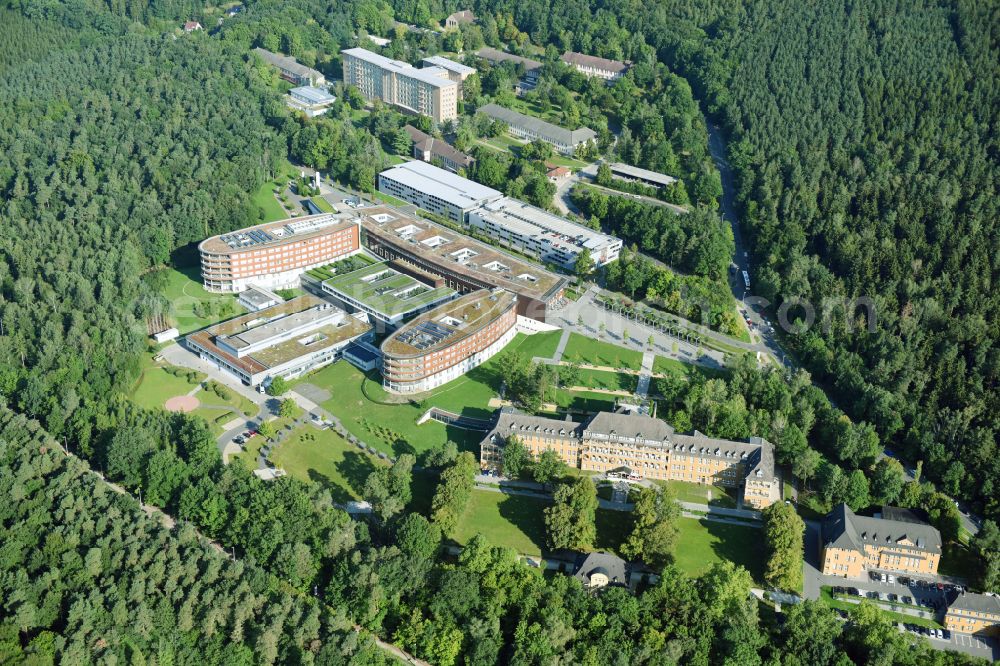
pixel 216 418
pixel 236 401
pixel 595 352
pixel 155 385
pixel 248 456
pixel 542 345
pixel 702 543
pixel 392 428
pixel 269 208
pixel 609 381
pixel 323 456
pixel 191 307
pixel 583 401
pixel 518 521
pixel 699 494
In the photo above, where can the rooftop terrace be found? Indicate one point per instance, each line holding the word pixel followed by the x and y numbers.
pixel 386 290
pixel 273 234
pixel 449 323
pixel 460 254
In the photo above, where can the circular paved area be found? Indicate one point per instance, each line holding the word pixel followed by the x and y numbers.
pixel 181 403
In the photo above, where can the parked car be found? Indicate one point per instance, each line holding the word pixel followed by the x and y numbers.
pixel 855 591
pixel 239 439
pixel 947 634
pixel 892 597
pixel 874 575
pixel 892 579
pixel 903 580
pixel 906 600
pixel 883 577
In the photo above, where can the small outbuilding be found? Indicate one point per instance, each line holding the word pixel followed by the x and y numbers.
pixel 599 570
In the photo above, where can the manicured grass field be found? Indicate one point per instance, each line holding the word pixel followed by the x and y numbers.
pixel 594 352
pixel 216 418
pixel 518 521
pixel 699 494
pixel 323 456
pixel 236 401
pixel 191 307
pixel 392 428
pixel 610 381
pixel 389 428
pixel 270 210
pixel 583 401
pixel 542 345
pixel 155 385
pixel 702 543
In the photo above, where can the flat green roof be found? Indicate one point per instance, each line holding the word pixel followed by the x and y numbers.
pixel 386 290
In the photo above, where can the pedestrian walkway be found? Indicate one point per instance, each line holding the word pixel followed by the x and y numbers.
pixel 642 388
pixel 561 347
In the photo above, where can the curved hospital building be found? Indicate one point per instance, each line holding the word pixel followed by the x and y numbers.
pixel 274 255
pixel 448 341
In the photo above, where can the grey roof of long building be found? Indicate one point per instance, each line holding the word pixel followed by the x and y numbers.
pixel 435 181
pixel 285 62
pixel 584 60
pixel 540 127
pixel 980 603
pixel 430 75
pixel 756 454
pixel 495 55
pixel 842 528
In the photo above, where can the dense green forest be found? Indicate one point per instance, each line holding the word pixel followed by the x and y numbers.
pixel 864 140
pixel 864 136
pixel 120 143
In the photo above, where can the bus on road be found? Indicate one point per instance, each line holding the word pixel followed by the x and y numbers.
pixel 746 280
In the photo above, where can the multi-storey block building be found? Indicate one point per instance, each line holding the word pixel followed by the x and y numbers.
pixel 447 342
pixel 610 70
pixel 285 340
pixel 530 128
pixel 275 255
pixel 647 447
pixel 853 545
pixel 435 189
pixel 970 613
pixel 536 232
pixel 291 69
pixel 455 71
pixel 461 262
pixel 428 91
